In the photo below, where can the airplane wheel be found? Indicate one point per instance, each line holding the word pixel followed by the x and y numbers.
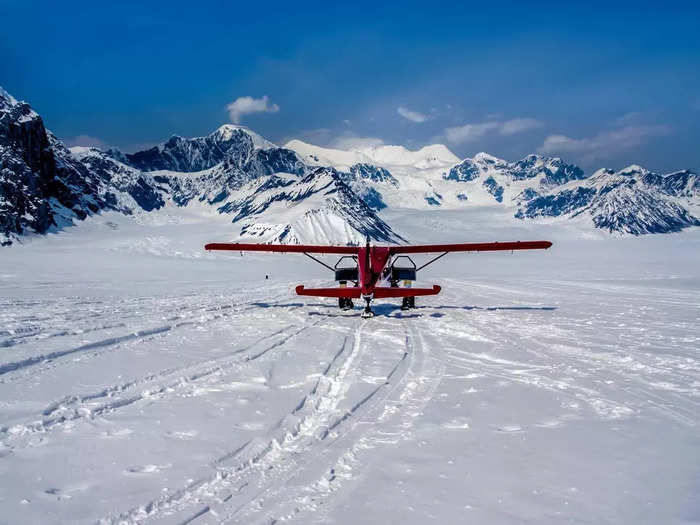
pixel 345 303
pixel 408 303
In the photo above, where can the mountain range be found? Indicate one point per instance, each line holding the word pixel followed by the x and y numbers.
pixel 306 193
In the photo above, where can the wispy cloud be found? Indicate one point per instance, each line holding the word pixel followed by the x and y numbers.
pixel 518 125
pixel 350 141
pixel 86 140
pixel 469 132
pixel 633 117
pixel 246 105
pixel 472 132
pixel 413 116
pixel 605 144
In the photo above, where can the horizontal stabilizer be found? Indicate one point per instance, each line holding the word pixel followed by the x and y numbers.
pixel 381 293
pixel 349 293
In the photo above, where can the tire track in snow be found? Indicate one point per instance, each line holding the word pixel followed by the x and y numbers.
pixel 386 422
pixel 573 362
pixel 316 456
pixel 253 457
pixel 23 364
pixel 95 310
pixel 74 408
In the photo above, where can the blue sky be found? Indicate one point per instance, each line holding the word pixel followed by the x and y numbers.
pixel 600 84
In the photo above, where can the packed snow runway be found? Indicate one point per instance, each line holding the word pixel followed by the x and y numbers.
pixel 146 381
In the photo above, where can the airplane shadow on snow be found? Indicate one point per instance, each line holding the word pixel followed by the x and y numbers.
pixel 390 310
pixel 380 310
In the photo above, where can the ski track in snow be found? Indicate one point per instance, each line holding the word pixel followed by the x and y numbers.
pixel 603 352
pixel 178 318
pixel 317 418
pixel 152 387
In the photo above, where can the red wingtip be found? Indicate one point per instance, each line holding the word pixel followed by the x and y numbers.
pixel 299 289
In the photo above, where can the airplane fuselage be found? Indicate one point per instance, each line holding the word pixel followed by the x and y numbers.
pixel 371 261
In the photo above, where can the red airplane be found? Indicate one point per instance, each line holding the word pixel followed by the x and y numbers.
pixel 372 263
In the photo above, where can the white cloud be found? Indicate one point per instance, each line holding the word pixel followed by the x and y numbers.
pixel 472 132
pixel 633 117
pixel 605 144
pixel 246 105
pixel 87 141
pixel 413 116
pixel 350 141
pixel 518 125
pixel 469 132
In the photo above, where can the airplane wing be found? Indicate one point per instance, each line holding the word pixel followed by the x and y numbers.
pixel 472 247
pixel 282 248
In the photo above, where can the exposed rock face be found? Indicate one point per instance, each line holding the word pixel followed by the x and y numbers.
pixel 41 184
pixel 463 172
pixel 231 143
pixel 494 189
pixel 555 172
pixel 318 197
pixel 373 173
pixel 246 184
pixel 632 200
pixel 121 180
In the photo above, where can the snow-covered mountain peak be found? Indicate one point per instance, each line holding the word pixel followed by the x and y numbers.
pixel 434 155
pixel 227 131
pixel 319 156
pixel 195 154
pixel 80 152
pixel 482 156
pixel 388 156
pixel 633 169
pixel 21 111
pixel 6 98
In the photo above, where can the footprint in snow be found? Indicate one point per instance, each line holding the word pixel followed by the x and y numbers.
pixel 510 429
pixel 182 434
pixel 146 469
pixel 553 423
pixel 456 424
pixel 119 433
pixel 57 493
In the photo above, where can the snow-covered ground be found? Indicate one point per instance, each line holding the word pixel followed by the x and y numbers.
pixel 144 380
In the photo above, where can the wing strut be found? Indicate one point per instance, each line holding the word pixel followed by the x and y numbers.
pixel 319 262
pixel 431 261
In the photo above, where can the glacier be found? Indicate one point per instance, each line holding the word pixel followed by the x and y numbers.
pixel 143 380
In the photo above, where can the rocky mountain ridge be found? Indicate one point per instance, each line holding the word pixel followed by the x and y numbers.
pixel 302 192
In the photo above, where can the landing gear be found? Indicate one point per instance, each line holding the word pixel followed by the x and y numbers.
pixel 345 303
pixel 408 303
pixel 367 311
